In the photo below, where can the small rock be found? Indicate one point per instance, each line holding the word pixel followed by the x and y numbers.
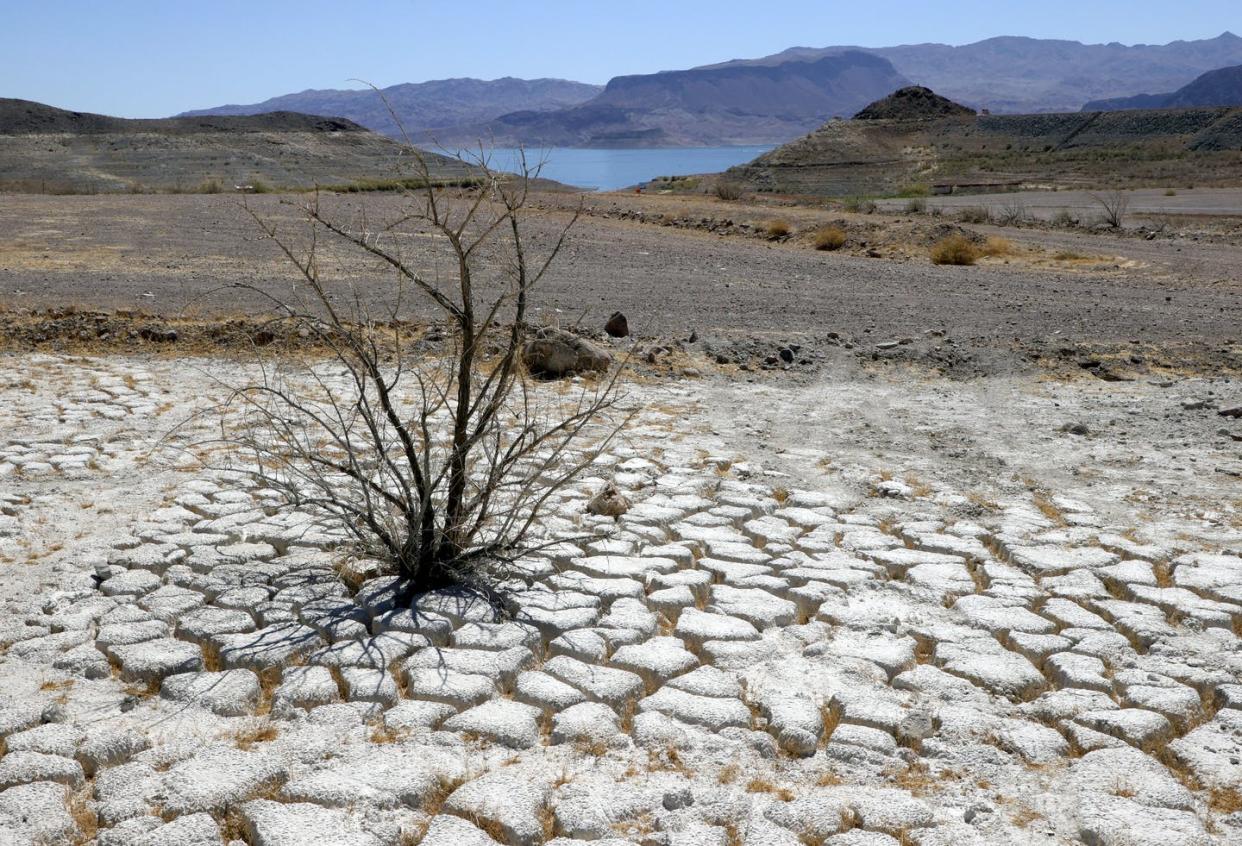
pixel 555 353
pixel 617 326
pixel 609 502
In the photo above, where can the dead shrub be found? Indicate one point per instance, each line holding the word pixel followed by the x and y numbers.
pixel 829 238
pixel 728 190
pixel 955 250
pixel 778 229
pixel 996 247
pixel 437 464
pixel 975 214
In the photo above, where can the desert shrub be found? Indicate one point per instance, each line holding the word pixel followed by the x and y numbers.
pixel 1065 219
pixel 727 190
pixel 916 206
pixel 1170 193
pixel 209 186
pixel 1113 206
pixel 258 186
pixel 956 249
pixel 996 246
pixel 437 461
pixel 1011 214
pixel 829 238
pixel 975 214
pixel 918 189
pixel 859 205
pixel 777 229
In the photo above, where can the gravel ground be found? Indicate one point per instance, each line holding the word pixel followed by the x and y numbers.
pixel 872 609
pixel 171 255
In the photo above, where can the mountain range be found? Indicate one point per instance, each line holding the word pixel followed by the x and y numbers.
pixel 423 107
pixel 708 107
pixel 767 100
pixel 1018 75
pixel 1221 87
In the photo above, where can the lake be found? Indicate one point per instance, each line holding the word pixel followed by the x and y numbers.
pixel 609 170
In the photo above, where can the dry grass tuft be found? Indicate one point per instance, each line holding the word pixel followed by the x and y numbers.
pixel 85 820
pixel 1225 800
pixel 382 734
pixel 728 774
pixel 1048 508
pixel 830 238
pixel 443 789
pixel 491 827
pixel 777 229
pixel 1024 816
pixel 260 732
pixel 762 785
pixel 996 247
pixel 233 826
pixel 955 250
pixel 829 779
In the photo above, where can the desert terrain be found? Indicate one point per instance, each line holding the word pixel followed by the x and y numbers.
pixel 916 554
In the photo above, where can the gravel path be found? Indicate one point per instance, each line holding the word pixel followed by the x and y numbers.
pixel 171 255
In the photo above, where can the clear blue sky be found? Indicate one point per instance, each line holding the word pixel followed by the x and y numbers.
pixel 141 58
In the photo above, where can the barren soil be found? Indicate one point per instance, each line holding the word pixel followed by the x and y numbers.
pixel 178 255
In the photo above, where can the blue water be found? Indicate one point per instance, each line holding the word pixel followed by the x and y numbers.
pixel 609 170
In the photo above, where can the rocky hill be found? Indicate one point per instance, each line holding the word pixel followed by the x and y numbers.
pixel 1221 87
pixel 1021 75
pixel 913 103
pixel 731 105
pixel 45 149
pixel 425 106
pixel 991 152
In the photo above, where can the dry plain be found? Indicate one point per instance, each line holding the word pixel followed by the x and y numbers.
pixel 918 554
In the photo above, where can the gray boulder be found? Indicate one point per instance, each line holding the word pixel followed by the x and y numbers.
pixel 555 353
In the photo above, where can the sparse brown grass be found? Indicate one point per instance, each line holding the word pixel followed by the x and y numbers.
pixel 777 229
pixel 1048 508
pixel 955 250
pixel 996 247
pixel 1225 800
pixel 383 735
pixel 443 789
pixel 916 778
pixel 830 238
pixel 668 760
pixel 728 774
pixel 85 820
pixel 762 785
pixel 259 732
pixel 492 827
pixel 828 779
pixel 1024 816
pixel 233 825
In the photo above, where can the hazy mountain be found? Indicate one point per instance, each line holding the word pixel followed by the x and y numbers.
pixel 1221 87
pixel 45 149
pixel 1017 75
pixel 731 105
pixel 425 106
